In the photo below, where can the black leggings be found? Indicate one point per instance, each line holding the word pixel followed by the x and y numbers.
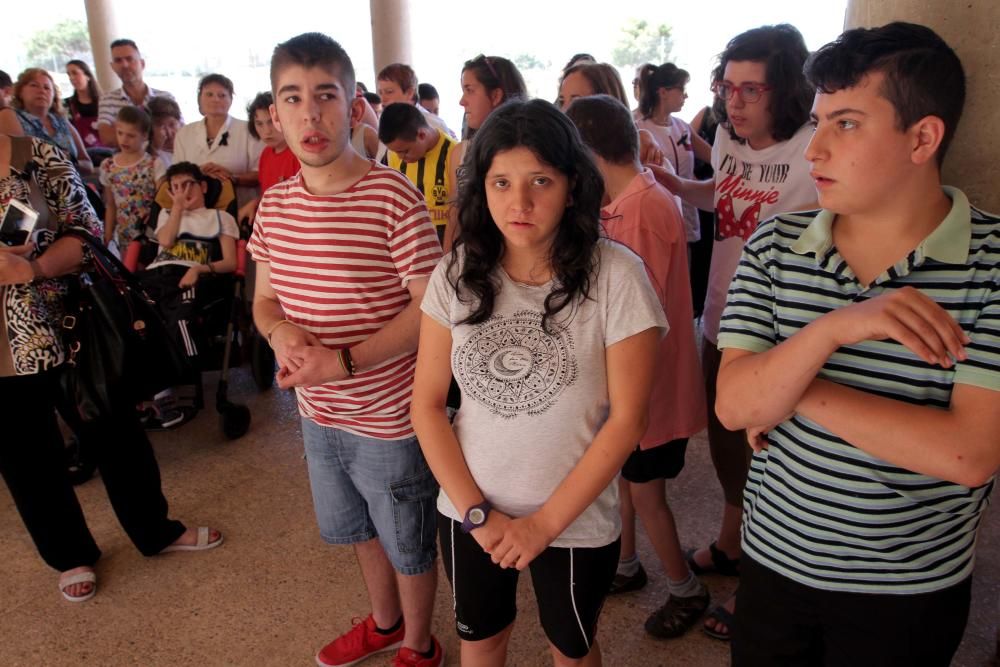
pixel 33 465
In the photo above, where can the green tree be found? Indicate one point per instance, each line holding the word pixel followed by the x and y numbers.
pixel 526 61
pixel 53 47
pixel 641 42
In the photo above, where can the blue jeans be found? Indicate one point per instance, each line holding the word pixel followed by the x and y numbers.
pixel 365 488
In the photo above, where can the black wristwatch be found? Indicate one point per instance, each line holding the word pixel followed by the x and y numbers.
pixel 476 516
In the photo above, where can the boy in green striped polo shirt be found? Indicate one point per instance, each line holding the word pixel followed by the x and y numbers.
pixel 862 354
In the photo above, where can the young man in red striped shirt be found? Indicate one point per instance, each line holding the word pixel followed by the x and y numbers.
pixel 344 252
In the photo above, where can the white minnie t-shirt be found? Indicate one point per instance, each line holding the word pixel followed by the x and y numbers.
pixel 750 186
pixel 533 400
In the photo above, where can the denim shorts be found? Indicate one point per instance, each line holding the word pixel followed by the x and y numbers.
pixel 365 488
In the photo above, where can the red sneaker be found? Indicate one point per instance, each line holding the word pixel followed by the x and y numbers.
pixel 407 657
pixel 358 643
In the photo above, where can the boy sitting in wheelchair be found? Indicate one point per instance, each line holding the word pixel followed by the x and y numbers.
pixel 196 244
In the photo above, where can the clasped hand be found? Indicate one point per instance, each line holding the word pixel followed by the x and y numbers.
pixel 303 361
pixel 512 542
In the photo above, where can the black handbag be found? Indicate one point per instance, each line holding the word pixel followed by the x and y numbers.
pixel 117 343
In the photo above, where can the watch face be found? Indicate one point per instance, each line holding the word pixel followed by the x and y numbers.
pixel 477 516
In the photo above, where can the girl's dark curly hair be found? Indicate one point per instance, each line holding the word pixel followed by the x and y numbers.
pixel 783 52
pixel 540 127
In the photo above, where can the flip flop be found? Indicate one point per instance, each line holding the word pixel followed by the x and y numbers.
pixel 721 563
pixel 720 615
pixel 202 544
pixel 79 578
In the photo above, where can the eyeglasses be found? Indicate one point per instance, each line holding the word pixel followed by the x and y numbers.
pixel 748 92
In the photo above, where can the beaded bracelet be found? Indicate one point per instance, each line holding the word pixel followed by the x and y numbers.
pixel 346 361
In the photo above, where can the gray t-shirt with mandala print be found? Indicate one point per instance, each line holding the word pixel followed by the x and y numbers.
pixel 532 400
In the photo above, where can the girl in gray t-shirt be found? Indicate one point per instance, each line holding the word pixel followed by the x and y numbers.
pixel 551 333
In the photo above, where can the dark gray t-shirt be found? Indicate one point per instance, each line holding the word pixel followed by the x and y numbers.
pixel 533 401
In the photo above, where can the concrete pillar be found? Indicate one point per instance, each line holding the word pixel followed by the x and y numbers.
pixel 101 24
pixel 391 41
pixel 970 28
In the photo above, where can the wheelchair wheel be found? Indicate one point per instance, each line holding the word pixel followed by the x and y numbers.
pixel 235 420
pixel 262 363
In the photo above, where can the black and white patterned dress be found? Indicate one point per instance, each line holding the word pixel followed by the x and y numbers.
pixel 30 314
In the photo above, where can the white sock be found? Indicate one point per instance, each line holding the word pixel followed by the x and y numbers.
pixel 686 587
pixel 629 567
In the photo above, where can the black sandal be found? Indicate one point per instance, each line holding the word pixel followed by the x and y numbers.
pixel 677 616
pixel 722 616
pixel 721 563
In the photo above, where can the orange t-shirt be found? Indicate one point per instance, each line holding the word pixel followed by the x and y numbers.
pixel 645 218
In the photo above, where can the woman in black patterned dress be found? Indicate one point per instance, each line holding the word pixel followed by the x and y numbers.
pixel 32 292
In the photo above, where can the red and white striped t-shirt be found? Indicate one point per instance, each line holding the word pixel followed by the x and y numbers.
pixel 339 266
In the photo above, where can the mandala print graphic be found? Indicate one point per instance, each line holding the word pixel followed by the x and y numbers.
pixel 513 366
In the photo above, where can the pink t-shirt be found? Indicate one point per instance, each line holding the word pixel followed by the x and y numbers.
pixel 645 218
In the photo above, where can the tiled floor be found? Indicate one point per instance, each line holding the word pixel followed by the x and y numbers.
pixel 274 592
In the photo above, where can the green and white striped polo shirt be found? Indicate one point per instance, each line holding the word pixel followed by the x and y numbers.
pixel 816 509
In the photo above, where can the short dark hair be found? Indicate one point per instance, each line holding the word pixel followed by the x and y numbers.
pixel 401 74
pixel 161 107
pixel 544 130
pixel 400 121
pixel 217 79
pixel 923 75
pixel 667 75
pixel 125 42
pixel 783 52
pixel 361 85
pixel 426 91
pixel 262 102
pixel 188 168
pixel 607 127
pixel 313 49
pixel 372 98
pixel 5 80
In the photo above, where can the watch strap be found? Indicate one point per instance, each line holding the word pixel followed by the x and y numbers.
pixel 468 525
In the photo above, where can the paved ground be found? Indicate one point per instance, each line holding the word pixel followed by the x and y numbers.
pixel 274 593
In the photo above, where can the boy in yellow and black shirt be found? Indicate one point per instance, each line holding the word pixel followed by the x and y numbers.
pixel 420 152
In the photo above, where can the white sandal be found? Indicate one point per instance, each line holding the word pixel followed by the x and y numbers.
pixel 79 578
pixel 202 544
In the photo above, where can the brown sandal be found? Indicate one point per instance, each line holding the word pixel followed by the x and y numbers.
pixel 677 616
